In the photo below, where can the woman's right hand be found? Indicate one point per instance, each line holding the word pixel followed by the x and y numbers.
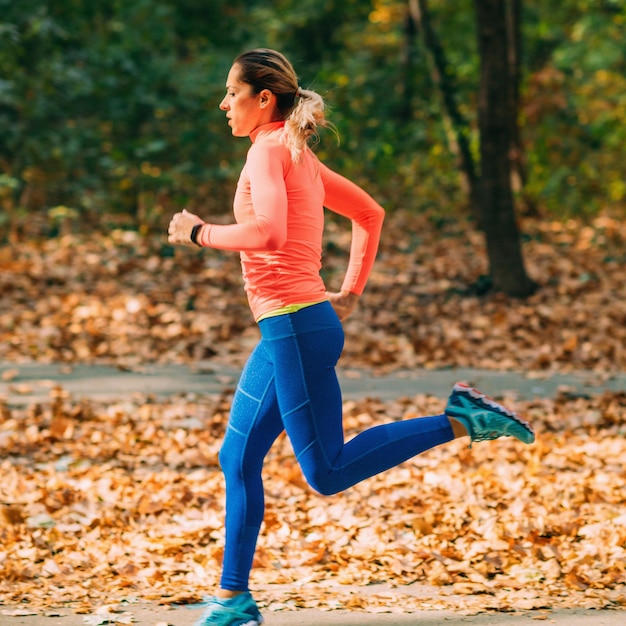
pixel 181 225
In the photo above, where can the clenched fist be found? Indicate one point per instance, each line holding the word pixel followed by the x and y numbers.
pixel 181 224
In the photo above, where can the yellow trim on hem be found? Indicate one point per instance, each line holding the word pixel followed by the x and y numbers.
pixel 288 308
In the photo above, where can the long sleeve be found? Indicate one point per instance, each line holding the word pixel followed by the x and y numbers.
pixel 348 199
pixel 265 227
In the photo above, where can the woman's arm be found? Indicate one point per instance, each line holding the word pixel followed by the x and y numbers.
pixel 267 231
pixel 348 199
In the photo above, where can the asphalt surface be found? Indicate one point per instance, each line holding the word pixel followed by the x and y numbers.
pixel 146 615
pixel 22 384
pixel 25 383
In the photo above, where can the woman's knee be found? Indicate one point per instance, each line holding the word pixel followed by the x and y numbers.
pixel 231 457
pixel 236 463
pixel 321 479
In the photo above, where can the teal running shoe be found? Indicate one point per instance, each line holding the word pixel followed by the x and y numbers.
pixel 238 611
pixel 484 418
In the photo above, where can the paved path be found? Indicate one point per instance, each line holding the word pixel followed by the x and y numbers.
pixel 26 383
pixel 147 615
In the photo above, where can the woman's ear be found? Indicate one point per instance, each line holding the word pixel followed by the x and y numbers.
pixel 265 98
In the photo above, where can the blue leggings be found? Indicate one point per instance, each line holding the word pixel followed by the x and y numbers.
pixel 289 382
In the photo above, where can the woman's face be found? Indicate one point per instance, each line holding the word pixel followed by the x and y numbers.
pixel 245 111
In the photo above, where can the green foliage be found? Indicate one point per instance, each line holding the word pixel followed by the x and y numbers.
pixel 110 104
pixel 111 107
pixel 575 109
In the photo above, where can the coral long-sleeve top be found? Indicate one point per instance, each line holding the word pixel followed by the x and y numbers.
pixel 279 215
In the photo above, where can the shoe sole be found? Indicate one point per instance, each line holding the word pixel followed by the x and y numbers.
pixel 490 403
pixel 252 622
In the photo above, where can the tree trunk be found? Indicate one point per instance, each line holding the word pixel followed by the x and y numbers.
pixel 459 128
pixel 495 120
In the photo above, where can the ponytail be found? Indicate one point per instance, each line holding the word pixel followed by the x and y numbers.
pixel 301 125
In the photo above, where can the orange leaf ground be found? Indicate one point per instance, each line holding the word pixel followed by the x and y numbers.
pixel 124 499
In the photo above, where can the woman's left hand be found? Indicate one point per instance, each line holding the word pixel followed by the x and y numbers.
pixel 181 224
pixel 344 303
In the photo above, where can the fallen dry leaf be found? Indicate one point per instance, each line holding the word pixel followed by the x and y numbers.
pixel 18 612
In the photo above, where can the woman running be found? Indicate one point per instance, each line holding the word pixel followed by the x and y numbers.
pixel 289 381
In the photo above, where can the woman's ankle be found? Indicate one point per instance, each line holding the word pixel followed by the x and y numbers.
pixel 458 429
pixel 224 594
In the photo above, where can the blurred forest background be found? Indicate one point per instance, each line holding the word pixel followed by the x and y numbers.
pixel 109 109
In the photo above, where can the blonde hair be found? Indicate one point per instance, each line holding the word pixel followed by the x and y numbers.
pixel 301 109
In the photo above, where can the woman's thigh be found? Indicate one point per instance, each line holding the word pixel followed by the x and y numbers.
pixel 305 350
